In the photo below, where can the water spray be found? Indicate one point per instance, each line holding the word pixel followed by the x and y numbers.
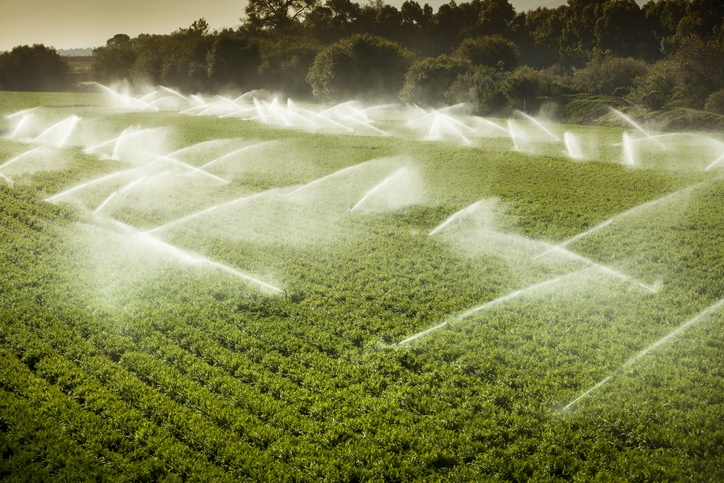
pixel 674 333
pixel 636 126
pixel 482 307
pixel 540 126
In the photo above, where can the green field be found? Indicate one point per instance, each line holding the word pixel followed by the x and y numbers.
pixel 265 293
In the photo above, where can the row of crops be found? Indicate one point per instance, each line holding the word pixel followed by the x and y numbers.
pixel 132 348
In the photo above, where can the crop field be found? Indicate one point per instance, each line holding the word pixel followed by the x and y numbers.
pixel 247 289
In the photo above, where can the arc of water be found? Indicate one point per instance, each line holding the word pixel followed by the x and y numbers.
pixel 492 124
pixel 482 307
pixel 67 192
pixel 584 234
pixel 345 113
pixel 24 112
pixel 637 126
pixel 232 153
pixel 189 167
pixel 198 99
pixel 324 178
pixel 112 195
pixel 366 123
pixel 443 122
pixel 539 125
pixel 105 202
pixel 69 121
pixel 261 110
pixel 573 146
pixel 205 211
pixel 242 275
pixel 329 120
pixel 511 130
pixel 628 150
pixel 719 160
pixel 92 149
pixel 74 120
pixel 606 269
pixel 194 258
pixel 18 157
pixel 88 183
pixel 459 105
pixel 173 92
pixel 243 113
pixel 377 188
pixel 183 219
pixel 127 100
pixel 129 131
pixel 307 116
pixel 20 124
pixel 12 183
pixel 681 328
pixel 623 214
pixel 455 216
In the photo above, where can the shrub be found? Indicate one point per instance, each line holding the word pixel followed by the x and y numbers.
pixel 654 89
pixel 36 68
pixel 524 87
pixel 481 89
pixel 612 74
pixel 113 62
pixel 491 51
pixel 427 80
pixel 361 66
pixel 715 102
pixel 285 64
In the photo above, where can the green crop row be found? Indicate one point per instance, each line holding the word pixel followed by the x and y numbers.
pixel 126 359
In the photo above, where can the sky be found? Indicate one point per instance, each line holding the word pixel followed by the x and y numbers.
pixel 76 24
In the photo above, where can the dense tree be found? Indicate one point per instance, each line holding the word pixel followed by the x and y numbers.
pixel 609 76
pixel 178 60
pixel 480 88
pixel 700 70
pixel 277 15
pixel 621 30
pixel 540 37
pixel 491 51
pixel 233 62
pixel 361 66
pixel 36 68
pixel 496 17
pixel 427 80
pixel 279 40
pixel 285 64
pixel 417 22
pixel 333 20
pixel 662 18
pixel 114 61
pixel 655 88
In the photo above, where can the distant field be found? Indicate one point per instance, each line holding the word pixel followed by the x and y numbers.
pixel 244 289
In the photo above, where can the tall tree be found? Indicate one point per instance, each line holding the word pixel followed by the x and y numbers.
pixel 114 61
pixel 333 20
pixel 278 15
pixel 621 30
pixel 36 68
pixel 233 62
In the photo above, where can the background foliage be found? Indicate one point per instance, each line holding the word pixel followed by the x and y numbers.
pixel 663 55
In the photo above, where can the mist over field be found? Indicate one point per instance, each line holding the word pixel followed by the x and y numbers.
pixel 349 242
pixel 199 286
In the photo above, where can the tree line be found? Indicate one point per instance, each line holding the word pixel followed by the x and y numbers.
pixel 666 53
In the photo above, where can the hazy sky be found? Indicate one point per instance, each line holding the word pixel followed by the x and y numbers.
pixel 89 23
